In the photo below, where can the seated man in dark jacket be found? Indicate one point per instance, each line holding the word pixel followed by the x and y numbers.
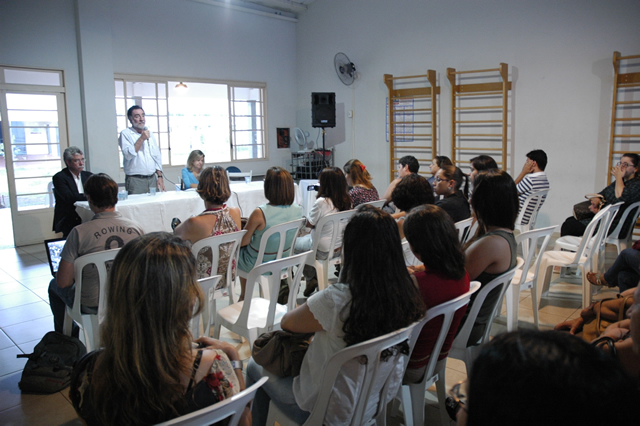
pixel 68 187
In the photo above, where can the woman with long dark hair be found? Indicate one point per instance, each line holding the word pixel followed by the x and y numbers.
pixel 148 370
pixel 434 241
pixel 375 295
pixel 332 198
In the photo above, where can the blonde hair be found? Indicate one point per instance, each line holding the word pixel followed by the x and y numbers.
pixel 358 173
pixel 195 155
pixel 147 343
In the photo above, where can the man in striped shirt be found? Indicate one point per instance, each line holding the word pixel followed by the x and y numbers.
pixel 532 178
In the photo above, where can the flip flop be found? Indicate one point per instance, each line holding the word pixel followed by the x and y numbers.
pixel 596 279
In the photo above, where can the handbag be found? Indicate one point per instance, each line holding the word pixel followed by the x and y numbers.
pixel 281 352
pixel 607 312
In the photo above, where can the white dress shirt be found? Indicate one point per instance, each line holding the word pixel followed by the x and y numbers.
pixel 144 162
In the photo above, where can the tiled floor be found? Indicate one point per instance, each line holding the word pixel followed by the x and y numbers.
pixel 25 317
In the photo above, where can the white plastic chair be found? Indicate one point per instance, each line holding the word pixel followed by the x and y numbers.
pixel 410 259
pixel 208 286
pixel 532 203
pixel 571 242
pixel 254 316
pixel 526 277
pixel 338 221
pixel 464 227
pixel 90 323
pixel 378 203
pixel 230 407
pixel 582 258
pixel 460 349
pixel 233 239
pixel 283 230
pixel 624 241
pixel 412 395
pixel 240 175
pixel 377 389
pixel 52 198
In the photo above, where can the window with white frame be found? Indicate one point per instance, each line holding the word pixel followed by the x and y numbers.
pixel 226 121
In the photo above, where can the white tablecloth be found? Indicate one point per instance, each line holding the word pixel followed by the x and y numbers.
pixel 154 213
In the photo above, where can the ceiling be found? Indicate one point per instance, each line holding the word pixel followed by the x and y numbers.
pixel 290 6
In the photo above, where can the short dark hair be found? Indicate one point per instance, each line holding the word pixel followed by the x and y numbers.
pixel 412 190
pixel 539 156
pixel 213 185
pixel 433 236
pixel 102 190
pixel 483 162
pixel 411 162
pixel 532 377
pixel 442 160
pixel 454 173
pixel 278 187
pixel 495 200
pixel 133 108
pixel 333 186
pixel 635 159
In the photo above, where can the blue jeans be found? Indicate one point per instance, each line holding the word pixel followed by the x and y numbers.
pixel 277 389
pixel 625 271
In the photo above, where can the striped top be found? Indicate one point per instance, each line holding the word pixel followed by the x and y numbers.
pixel 532 182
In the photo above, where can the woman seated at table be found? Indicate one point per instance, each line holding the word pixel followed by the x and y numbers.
pixel 148 370
pixel 359 180
pixel 217 219
pixel 434 241
pixel 191 173
pixel 332 198
pixel 448 182
pixel 362 306
pixel 280 192
pixel 493 252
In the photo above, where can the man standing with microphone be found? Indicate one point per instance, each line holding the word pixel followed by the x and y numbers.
pixel 142 157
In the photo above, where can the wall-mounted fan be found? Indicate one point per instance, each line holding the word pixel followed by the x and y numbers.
pixel 345 69
pixel 301 139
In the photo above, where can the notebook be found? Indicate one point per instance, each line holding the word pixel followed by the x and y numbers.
pixel 54 252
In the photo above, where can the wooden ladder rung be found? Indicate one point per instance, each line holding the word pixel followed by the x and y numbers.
pixel 479 107
pixel 626 136
pixel 398 111
pixel 478 134
pixel 627 103
pixel 412 134
pixel 459 148
pixel 476 121
pixel 475 71
pixel 628 119
pixel 495 92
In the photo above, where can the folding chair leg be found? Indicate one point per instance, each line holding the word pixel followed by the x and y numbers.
pixel 512 297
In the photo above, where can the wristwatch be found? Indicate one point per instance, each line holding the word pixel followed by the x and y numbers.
pixel 237 365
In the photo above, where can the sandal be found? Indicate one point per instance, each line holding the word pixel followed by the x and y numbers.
pixel 597 279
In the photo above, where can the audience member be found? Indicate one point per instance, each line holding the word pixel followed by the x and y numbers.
pixel 406 165
pixel 625 188
pixel 148 370
pixel 534 377
pixel 413 190
pixel 67 189
pixel 495 203
pixel 191 173
pixel 480 164
pixel 532 178
pixel 359 180
pixel 142 158
pixel 280 192
pixel 332 198
pixel 217 219
pixel 107 230
pixel 624 273
pixel 434 241
pixel 362 306
pixel 437 163
pixel 447 184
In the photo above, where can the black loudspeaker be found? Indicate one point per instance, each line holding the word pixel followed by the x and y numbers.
pixel 323 110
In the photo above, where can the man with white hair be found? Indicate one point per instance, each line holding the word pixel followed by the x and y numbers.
pixel 68 187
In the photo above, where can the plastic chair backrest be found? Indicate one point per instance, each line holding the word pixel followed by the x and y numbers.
pixel 230 407
pixel 52 198
pixel 532 203
pixel 240 175
pixel 336 220
pixel 378 203
pixel 410 259
pixel 502 281
pixel 208 286
pixel 463 227
pixel 233 239
pixel 529 242
pixel 98 259
pixel 372 388
pixel 271 272
pixel 283 230
pixel 634 211
pixel 592 232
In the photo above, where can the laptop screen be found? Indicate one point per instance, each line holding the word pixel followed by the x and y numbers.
pixel 54 252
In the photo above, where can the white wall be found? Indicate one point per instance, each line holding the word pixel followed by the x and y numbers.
pixel 560 61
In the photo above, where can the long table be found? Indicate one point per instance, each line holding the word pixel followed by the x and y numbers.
pixel 155 212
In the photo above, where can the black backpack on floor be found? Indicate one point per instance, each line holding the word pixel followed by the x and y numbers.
pixel 49 367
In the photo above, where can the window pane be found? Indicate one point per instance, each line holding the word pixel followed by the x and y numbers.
pixel 248 152
pixel 121 107
pixel 33 118
pixel 32 102
pixel 247 123
pixel 247 108
pixel 141 90
pixel 23 169
pixel 32 202
pixel 42 78
pixel 119 88
pixel 247 93
pixel 32 185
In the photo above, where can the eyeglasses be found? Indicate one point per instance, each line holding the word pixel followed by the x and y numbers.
pixel 624 165
pixel 77 160
pixel 438 179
